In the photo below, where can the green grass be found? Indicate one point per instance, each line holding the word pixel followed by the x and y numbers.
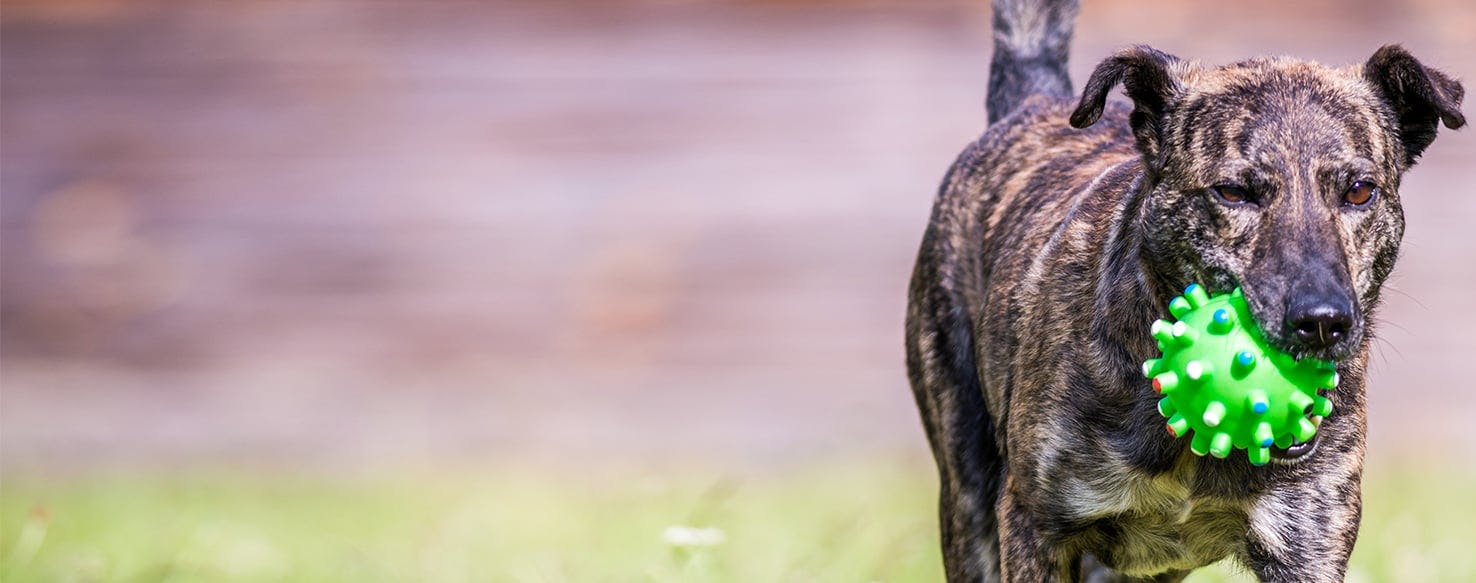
pixel 840 522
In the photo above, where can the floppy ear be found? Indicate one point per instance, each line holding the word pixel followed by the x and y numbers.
pixel 1148 78
pixel 1420 97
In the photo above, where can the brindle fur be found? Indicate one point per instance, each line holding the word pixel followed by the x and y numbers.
pixel 1060 234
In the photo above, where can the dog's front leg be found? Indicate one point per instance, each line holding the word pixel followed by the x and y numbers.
pixel 1304 532
pixel 1024 555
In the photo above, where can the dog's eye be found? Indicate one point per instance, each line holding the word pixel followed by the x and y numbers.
pixel 1233 195
pixel 1360 193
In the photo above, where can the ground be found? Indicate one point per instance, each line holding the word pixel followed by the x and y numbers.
pixel 861 521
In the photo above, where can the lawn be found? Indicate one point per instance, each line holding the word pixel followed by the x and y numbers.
pixel 839 522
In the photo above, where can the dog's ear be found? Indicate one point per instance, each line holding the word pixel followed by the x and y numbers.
pixel 1148 78
pixel 1420 97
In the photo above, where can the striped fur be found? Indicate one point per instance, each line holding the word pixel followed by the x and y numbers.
pixel 1061 233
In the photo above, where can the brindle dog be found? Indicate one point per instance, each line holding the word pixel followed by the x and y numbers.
pixel 1061 234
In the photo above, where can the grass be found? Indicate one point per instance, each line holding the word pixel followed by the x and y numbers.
pixel 840 522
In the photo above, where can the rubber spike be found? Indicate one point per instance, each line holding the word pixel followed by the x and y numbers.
pixel 1300 403
pixel 1259 456
pixel 1220 445
pixel 1166 382
pixel 1200 445
pixel 1305 430
pixel 1322 407
pixel 1177 425
pixel 1214 413
pixel 1285 440
pixel 1257 402
pixel 1242 364
pixel 1152 367
pixel 1166 407
pixel 1183 334
pixel 1196 296
pixel 1198 370
pixel 1162 331
pixel 1264 436
pixel 1221 321
pixel 1180 307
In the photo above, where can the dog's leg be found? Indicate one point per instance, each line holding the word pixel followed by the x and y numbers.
pixel 1024 556
pixel 1305 533
pixel 945 381
pixel 968 466
pixel 970 544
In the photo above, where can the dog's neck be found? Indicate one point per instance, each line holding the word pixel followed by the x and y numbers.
pixel 1132 291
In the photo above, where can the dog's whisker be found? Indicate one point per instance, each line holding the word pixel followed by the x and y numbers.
pixel 1411 297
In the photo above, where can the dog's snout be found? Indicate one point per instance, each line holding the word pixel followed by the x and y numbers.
pixel 1319 321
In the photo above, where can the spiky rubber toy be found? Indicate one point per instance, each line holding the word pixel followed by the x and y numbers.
pixel 1220 379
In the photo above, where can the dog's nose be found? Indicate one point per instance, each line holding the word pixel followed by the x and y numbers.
pixel 1318 323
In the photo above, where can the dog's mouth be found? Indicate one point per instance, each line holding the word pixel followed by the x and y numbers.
pixel 1297 451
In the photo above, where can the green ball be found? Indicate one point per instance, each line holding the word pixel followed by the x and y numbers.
pixel 1221 380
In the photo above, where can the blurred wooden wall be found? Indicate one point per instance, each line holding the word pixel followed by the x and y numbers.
pixel 354 231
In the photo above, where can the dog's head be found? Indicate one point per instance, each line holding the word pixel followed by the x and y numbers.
pixel 1279 176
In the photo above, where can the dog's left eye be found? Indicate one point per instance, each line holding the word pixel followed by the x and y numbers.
pixel 1233 195
pixel 1360 193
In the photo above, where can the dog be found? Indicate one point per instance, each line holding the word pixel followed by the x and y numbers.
pixel 1062 233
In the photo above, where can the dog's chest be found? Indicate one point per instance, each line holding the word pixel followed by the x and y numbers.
pixel 1144 526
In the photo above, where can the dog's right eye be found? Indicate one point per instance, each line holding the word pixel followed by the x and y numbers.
pixel 1233 195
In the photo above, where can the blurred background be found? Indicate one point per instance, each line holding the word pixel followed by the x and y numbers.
pixel 510 242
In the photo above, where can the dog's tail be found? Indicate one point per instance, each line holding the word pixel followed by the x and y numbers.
pixel 1032 39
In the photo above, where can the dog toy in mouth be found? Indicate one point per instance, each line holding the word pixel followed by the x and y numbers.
pixel 1221 379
